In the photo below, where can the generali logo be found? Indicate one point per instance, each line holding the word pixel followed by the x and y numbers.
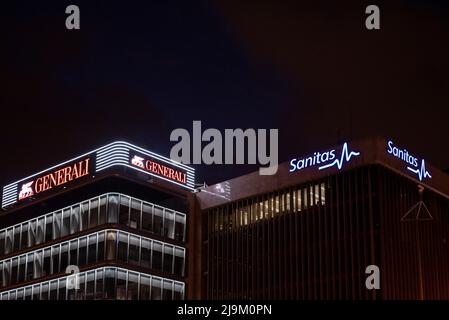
pixel 159 169
pixel 54 179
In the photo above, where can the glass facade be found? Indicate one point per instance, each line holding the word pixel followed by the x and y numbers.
pixel 108 245
pixel 107 208
pixel 102 283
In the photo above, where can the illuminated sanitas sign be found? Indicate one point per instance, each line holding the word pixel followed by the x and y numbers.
pixel 325 159
pixel 413 164
pixel 160 169
pixel 54 179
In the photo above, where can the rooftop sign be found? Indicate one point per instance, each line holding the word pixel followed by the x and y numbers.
pixel 115 154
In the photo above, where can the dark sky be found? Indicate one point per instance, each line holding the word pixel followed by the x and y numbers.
pixel 138 69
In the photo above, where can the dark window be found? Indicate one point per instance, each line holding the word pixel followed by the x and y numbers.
pixel 109 285
pixel 134 245
pixel 124 210
pixel 55 259
pixel 145 288
pixel 17 238
pixel 157 256
pixel 158 220
pixel 168 258
pixel 100 251
pixel 156 289
pixel 112 208
pixel 147 217
pixel 123 247
pixel 134 221
pixel 65 222
pixel 99 283
pixel 82 256
pixel 111 245
pixel 145 260
pixel 93 216
pixel 92 249
pixel 84 215
pixel 121 285
pixel 133 286
pixel 103 209
pixel 48 228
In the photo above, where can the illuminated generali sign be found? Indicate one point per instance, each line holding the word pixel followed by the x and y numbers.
pixel 324 160
pixel 159 169
pixel 116 155
pixel 54 179
pixel 412 163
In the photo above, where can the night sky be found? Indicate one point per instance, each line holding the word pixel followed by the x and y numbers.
pixel 139 69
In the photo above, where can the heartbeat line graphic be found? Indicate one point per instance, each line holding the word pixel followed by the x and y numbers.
pixel 345 156
pixel 421 172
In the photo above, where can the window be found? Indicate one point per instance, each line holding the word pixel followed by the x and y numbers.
pixel 57 225
pixel 113 209
pixel 6 273
pixel 38 259
pixel 2 243
pixel 123 247
pixel 36 292
pixel 145 288
pixel 20 294
pixel 168 258
pixel 47 262
pixel 134 220
pixel 64 257
pixel 90 285
pixel 180 227
pixel 14 270
pixel 147 217
pixel 16 238
pixel 156 289
pixel 48 228
pixel 30 267
pixel 84 215
pixel 54 290
pixel 121 285
pixel 178 293
pixel 111 245
pixel 168 290
pixel 9 240
pixel 32 233
pixel 169 224
pixel 145 259
pixel 100 250
pixel 179 262
pixel 158 220
pixel 109 284
pixel 103 210
pixel 99 284
pixel 75 219
pixel 82 254
pixel 28 293
pixel 92 249
pixel 134 246
pixel 40 230
pixel 22 266
pixel 62 293
pixel 65 222
pixel 73 253
pixel 124 210
pixel 93 215
pixel 157 256
pixel 44 291
pixel 55 258
pixel 133 286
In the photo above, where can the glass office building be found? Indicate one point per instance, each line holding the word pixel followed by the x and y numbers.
pixel 310 232
pixel 115 235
